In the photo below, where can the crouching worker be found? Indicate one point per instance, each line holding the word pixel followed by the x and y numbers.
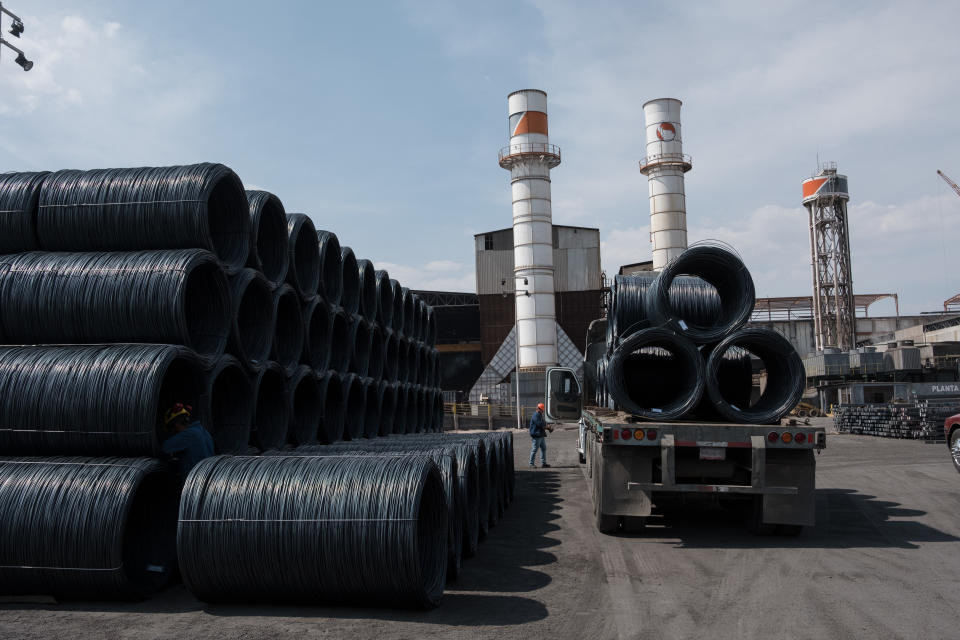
pixel 186 440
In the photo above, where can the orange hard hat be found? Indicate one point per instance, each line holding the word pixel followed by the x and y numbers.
pixel 540 406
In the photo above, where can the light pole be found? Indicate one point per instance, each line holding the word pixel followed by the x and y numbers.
pixel 15 30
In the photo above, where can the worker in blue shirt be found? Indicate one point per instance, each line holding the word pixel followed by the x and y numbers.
pixel 187 440
pixel 538 432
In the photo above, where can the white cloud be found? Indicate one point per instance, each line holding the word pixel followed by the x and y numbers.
pixel 440 275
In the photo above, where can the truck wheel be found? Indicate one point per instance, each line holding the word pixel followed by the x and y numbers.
pixel 755 522
pixel 634 524
pixel 955 447
pixel 607 523
pixel 789 530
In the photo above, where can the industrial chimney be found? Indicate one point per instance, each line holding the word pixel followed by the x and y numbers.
pixel 664 167
pixel 530 157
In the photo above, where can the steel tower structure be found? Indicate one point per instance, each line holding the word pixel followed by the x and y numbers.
pixel 825 197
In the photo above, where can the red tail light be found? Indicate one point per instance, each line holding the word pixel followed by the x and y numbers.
pixel 651 434
pixel 773 436
pixel 625 434
pixel 616 434
pixel 800 438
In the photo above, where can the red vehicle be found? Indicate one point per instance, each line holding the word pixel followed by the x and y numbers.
pixel 951 429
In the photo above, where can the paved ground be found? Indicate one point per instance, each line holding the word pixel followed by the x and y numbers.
pixel 882 562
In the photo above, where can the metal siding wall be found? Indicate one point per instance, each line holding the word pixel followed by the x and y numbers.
pixel 492 267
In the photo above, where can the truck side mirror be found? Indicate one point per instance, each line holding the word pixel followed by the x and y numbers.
pixel 564 398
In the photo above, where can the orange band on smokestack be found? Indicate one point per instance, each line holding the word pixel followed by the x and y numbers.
pixel 531 122
pixel 810 187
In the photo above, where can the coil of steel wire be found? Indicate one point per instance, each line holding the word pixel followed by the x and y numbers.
pixel 720 268
pixel 288 328
pixel 304 255
pixel 195 206
pixel 268 237
pixel 409 312
pixel 251 331
pixel 388 404
pixel 692 299
pixel 360 338
pixel 371 409
pixel 88 528
pixel 431 338
pixel 172 297
pixel 398 320
pixel 331 274
pixel 348 529
pixel 19 197
pixel 410 420
pixel 734 376
pixel 93 400
pixel 785 377
pixel 391 354
pixel 354 404
pixel 376 361
pixel 227 410
pixel 368 290
pixel 423 318
pixel 333 414
pixel 306 406
pixel 350 295
pixel 384 299
pixel 656 374
pixel 341 348
pixel 403 360
pixel 271 410
pixel 427 363
pixel 316 334
pixel 437 369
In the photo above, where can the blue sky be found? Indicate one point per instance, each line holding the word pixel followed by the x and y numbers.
pixel 383 120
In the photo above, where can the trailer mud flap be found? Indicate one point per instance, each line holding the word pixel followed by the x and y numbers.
pixel 616 468
pixel 795 468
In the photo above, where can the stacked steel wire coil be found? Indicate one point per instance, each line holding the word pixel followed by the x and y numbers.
pixel 125 291
pixel 677 345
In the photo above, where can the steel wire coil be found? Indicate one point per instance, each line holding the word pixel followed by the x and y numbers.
pixel 341 345
pixel 431 338
pixel 251 330
pixel 692 299
pixel 413 419
pixel 350 296
pixel 376 361
pixel 195 206
pixel 423 320
pixel 388 405
pixel 305 406
pixel 734 376
pixel 304 255
pixel 92 400
pixel 19 197
pixel 384 299
pixel 333 414
pixel 360 338
pixel 87 528
pixel 268 237
pixel 785 376
pixel 163 297
pixel 271 408
pixel 656 374
pixel 424 362
pixel 331 268
pixel 437 369
pixel 227 412
pixel 413 365
pixel 445 460
pixel 725 272
pixel 437 411
pixel 409 312
pixel 288 328
pixel 371 408
pixel 345 529
pixel 398 307
pixel 368 290
pixel 391 354
pixel 420 394
pixel 354 405
pixel 400 408
pixel 316 334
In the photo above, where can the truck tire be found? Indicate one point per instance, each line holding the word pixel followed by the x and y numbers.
pixel 607 523
pixel 955 447
pixel 789 530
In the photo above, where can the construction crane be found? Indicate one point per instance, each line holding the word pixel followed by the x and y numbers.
pixel 953 185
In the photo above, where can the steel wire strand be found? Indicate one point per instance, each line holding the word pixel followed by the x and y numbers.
pixel 350 296
pixel 271 410
pixel 437 411
pixel 690 298
pixel 422 319
pixel 437 369
pixel 423 365
pixel 305 406
pixel 409 312
pixel 360 338
pixel 364 530
pixel 87 528
pixel 368 290
pixel 398 319
pixel 431 338
pixel 656 374
pixel 384 299
pixel 268 237
pixel 354 402
pixel 391 353
pixel 341 345
pixel 388 404
pixel 93 400
pixel 400 408
pixel 194 206
pixel 412 421
pixel 288 328
pixel 19 197
pixel 331 268
pixel 163 297
pixel 376 361
pixel 372 408
pixel 785 376
pixel 227 410
pixel 446 461
pixel 333 416
pixel 304 255
pixel 725 272
pixel 252 319
pixel 317 333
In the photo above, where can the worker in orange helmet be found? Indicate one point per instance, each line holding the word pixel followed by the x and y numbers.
pixel 186 439
pixel 538 433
